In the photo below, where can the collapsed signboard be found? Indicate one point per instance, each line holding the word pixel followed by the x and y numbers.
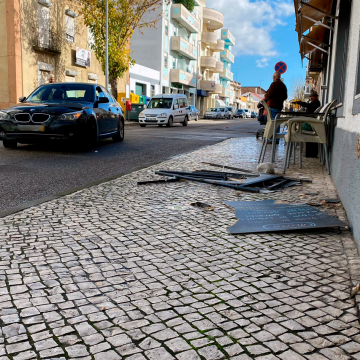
pixel 269 216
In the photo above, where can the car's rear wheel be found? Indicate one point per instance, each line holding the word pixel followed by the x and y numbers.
pixel 170 122
pixel 142 125
pixel 10 144
pixel 185 122
pixel 120 132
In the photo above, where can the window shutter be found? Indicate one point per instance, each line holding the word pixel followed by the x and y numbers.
pixel 44 25
pixel 70 28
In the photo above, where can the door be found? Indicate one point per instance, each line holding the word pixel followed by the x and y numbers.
pixel 114 111
pixel 176 111
pixel 102 112
pixel 183 109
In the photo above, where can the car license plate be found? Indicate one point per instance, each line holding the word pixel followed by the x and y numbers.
pixel 150 119
pixel 31 128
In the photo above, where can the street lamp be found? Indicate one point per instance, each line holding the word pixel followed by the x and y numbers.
pixel 107 45
pixel 260 85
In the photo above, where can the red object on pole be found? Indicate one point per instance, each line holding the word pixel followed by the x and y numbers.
pixel 128 105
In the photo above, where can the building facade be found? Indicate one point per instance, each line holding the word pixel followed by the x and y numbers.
pixel 332 47
pixel 253 89
pixel 190 52
pixel 40 37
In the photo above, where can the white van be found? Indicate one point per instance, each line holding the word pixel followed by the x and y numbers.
pixel 166 109
pixel 248 113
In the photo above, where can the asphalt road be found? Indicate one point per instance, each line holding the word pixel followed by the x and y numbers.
pixel 32 172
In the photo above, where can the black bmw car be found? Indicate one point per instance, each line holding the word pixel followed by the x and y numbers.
pixel 83 113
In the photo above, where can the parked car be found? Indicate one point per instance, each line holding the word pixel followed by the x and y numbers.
pixel 166 110
pixel 248 113
pixel 81 112
pixel 254 114
pixel 240 113
pixel 193 113
pixel 229 112
pixel 214 113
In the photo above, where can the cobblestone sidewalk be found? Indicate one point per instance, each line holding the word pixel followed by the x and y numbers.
pixel 120 271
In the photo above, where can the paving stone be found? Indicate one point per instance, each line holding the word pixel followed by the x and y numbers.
pixel 119 340
pixel 18 347
pixel 158 354
pixel 177 345
pixel 76 350
pixel 211 353
pixel 188 355
pixel 108 355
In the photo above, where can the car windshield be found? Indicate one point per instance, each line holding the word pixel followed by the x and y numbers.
pixel 229 109
pixel 62 92
pixel 160 103
pixel 212 109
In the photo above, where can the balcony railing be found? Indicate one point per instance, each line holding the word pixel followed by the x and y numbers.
pixel 182 77
pixel 227 74
pixel 182 15
pixel 210 86
pixel 209 38
pixel 208 62
pixel 227 56
pixel 213 19
pixel 183 47
pixel 228 37
pixel 219 67
pixel 219 46
pixel 45 40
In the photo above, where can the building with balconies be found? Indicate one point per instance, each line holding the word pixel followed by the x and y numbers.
pixel 172 49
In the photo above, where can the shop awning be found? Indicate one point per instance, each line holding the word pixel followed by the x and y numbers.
pixel 315 39
pixel 312 25
pixel 308 13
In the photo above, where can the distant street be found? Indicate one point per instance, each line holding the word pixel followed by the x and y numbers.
pixel 32 172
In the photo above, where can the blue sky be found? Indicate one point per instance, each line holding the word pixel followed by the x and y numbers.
pixel 265 34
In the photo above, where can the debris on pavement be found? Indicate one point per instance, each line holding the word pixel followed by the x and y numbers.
pixel 256 183
pixel 269 216
pixel 203 206
pixel 266 168
pixel 354 290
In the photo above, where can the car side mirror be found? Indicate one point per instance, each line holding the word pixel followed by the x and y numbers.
pixel 103 100
pixel 22 98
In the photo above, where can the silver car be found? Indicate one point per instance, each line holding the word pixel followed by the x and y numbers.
pixel 193 113
pixel 214 113
pixel 229 112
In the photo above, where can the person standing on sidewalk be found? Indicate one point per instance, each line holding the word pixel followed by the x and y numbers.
pixel 276 95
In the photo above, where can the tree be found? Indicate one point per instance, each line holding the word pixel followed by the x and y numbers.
pixel 124 17
pixel 189 4
pixel 298 88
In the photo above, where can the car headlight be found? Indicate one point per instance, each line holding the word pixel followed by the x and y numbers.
pixel 4 116
pixel 163 115
pixel 142 114
pixel 71 116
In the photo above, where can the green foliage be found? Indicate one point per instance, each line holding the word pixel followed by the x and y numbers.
pixel 124 17
pixel 189 4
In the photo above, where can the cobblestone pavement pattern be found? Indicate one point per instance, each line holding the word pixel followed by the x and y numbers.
pixel 120 271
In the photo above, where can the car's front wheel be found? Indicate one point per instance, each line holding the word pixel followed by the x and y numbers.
pixel 120 132
pixel 170 122
pixel 10 144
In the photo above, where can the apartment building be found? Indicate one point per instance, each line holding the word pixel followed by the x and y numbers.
pixel 191 52
pixel 40 37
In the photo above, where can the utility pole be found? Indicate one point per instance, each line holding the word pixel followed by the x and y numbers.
pixel 107 46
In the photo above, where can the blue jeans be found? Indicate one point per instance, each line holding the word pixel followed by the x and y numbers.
pixel 274 112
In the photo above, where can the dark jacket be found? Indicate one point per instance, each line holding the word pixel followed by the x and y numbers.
pixel 311 107
pixel 276 94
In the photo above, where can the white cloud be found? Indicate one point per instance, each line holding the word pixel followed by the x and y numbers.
pixel 251 22
pixel 262 62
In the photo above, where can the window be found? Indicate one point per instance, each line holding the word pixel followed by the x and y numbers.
pixel 44 25
pixel 70 28
pixel 152 90
pixel 165 60
pixel 182 103
pixel 174 64
pixel 176 104
pixel 70 78
pixel 90 38
pixel 166 27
